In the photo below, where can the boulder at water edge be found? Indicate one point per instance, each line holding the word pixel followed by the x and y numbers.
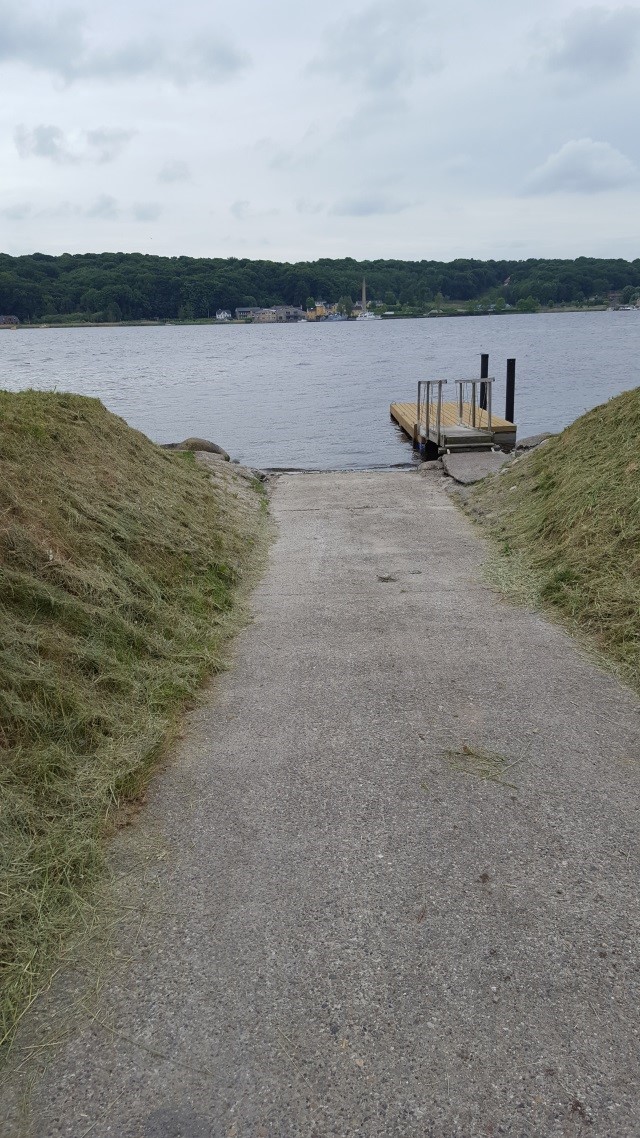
pixel 198 444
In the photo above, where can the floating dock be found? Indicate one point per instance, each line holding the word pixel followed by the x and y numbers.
pixel 435 426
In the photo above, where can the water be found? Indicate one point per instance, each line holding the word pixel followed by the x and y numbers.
pixel 318 395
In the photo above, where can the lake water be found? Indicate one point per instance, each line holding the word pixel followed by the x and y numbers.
pixel 318 395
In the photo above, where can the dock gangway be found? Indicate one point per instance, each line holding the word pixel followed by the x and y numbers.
pixel 466 423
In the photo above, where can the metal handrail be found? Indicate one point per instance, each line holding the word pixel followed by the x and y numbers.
pixel 474 401
pixel 426 401
pixel 441 383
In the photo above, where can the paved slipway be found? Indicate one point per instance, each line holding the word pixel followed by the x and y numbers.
pixel 336 928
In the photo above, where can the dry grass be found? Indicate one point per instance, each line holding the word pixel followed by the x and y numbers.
pixel 120 566
pixel 567 522
pixel 487 765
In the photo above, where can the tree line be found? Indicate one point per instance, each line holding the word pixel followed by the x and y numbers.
pixel 134 286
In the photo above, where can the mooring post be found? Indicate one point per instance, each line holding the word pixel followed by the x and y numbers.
pixel 511 391
pixel 484 374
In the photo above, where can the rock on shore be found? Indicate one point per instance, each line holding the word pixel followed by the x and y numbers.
pixel 196 444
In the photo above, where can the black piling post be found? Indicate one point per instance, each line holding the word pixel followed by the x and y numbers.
pixel 511 391
pixel 484 374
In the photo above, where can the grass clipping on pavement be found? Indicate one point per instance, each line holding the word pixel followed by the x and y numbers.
pixel 120 569
pixel 567 517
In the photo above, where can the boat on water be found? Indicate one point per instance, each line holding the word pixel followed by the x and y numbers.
pixel 365 314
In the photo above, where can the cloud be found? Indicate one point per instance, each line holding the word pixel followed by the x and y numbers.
pixel 174 171
pixel 596 44
pixel 381 47
pixel 243 210
pixel 582 166
pixel 48 141
pixel 367 205
pixel 18 212
pixel 301 154
pixel 214 60
pixel 105 207
pixel 107 143
pixel 146 211
pixel 209 60
pixel 60 44
pixel 43 42
pixel 240 210
pixel 43 142
pixel 309 208
pixel 54 211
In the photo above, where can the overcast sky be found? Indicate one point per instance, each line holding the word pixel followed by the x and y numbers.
pixel 292 131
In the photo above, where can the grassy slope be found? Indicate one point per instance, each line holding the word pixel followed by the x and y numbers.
pixel 119 566
pixel 568 519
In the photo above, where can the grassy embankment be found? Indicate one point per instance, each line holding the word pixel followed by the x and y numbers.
pixel 567 517
pixel 121 569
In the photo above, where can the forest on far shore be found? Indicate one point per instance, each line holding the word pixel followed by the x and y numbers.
pixel 108 287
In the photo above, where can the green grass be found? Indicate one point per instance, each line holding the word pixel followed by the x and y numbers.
pixel 120 569
pixel 566 519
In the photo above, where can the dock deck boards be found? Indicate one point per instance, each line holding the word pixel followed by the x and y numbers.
pixel 454 433
pixel 406 416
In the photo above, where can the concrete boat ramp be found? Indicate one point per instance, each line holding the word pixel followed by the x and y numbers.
pixel 388 884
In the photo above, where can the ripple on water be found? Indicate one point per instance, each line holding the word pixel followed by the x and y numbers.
pixel 277 395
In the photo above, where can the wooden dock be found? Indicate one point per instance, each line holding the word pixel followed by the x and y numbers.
pixel 458 430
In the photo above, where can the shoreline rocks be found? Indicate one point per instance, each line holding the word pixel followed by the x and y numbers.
pixel 533 441
pixel 196 444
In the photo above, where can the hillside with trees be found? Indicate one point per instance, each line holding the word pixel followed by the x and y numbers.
pixel 39 288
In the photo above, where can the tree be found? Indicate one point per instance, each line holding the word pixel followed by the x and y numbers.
pixel 90 300
pixel 142 286
pixel 423 294
pixel 527 304
pixel 310 304
pixel 345 306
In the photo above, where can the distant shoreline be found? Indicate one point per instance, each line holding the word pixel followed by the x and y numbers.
pixel 225 323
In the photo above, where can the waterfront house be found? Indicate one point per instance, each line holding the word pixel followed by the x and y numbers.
pixel 247 313
pixel 320 312
pixel 277 314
